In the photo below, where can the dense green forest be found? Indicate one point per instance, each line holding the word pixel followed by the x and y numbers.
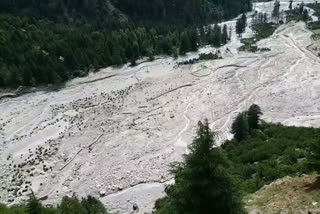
pixel 110 12
pixel 50 41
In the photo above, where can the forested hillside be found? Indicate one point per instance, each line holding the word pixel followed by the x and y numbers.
pixel 51 41
pixel 114 11
pixel 99 12
pixel 181 11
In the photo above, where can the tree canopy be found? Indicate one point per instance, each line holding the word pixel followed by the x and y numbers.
pixel 246 122
pixel 203 183
pixel 253 114
pixel 68 205
pixel 241 24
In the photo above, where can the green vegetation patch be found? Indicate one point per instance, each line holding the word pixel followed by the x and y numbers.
pixel 261 31
pixel 73 205
pixel 299 13
pixel 270 153
pixel 249 45
pixel 209 56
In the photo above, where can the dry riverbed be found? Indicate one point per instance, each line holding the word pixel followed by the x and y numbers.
pixel 114 133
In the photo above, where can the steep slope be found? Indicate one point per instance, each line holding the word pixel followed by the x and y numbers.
pixel 108 11
pixel 99 12
pixel 52 41
pixel 297 195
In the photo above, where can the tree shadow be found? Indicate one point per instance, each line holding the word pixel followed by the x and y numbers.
pixel 313 186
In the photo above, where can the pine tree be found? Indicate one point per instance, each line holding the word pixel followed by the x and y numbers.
pixel 14 79
pixel 290 5
pixel 27 77
pixel 239 28
pixel 136 50
pixel 305 15
pixel 116 59
pixel 243 22
pixel 276 10
pixel 253 115
pixel 34 206
pixel 216 35
pixel 134 53
pixel 203 39
pixel 185 43
pixel 224 36
pixel 209 35
pixel 203 184
pixel 194 40
pixel 301 8
pixel 240 127
pixel 265 17
pixel 93 206
pixel 71 206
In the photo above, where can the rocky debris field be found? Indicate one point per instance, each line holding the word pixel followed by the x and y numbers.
pixel 114 133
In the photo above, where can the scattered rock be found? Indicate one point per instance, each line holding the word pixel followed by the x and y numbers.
pixel 135 207
pixel 102 193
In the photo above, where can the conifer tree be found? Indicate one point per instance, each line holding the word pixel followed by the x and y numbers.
pixel 202 36
pixel 305 15
pixel 136 50
pixel 71 206
pixel 185 43
pixel 116 59
pixel 253 115
pixel 209 35
pixel 34 206
pixel 265 17
pixel 203 184
pixel 239 27
pixel 194 40
pixel 241 24
pixel 216 35
pixel 224 36
pixel 27 77
pixel 301 8
pixel 276 11
pixel 93 206
pixel 290 5
pixel 240 127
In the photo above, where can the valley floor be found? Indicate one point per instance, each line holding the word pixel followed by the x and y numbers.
pixel 114 133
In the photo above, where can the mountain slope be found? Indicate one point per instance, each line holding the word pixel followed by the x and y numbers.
pixel 108 11
pixel 51 41
pixel 294 195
